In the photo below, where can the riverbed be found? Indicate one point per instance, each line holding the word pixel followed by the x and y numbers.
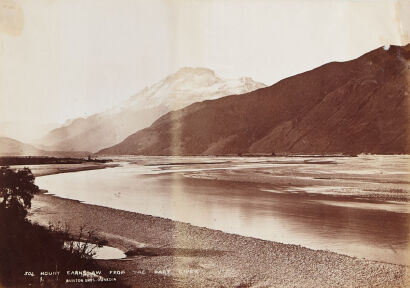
pixel 357 206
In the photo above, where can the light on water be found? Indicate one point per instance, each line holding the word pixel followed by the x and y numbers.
pixel 101 253
pixel 328 205
pixel 107 253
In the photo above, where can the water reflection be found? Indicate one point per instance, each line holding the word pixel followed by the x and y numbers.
pixel 290 201
pixel 100 253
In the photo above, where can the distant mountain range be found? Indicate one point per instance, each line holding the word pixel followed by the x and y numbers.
pixel 359 106
pixel 178 90
pixel 12 147
pixel 25 132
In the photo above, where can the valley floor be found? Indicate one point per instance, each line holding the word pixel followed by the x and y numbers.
pixel 165 253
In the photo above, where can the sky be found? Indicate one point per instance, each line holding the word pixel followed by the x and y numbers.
pixel 62 59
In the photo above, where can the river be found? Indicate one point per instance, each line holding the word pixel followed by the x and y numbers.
pixel 357 206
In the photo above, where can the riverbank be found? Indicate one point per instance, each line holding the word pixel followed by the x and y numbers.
pixel 165 253
pixel 51 169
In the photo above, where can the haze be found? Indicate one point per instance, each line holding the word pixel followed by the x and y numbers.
pixel 64 59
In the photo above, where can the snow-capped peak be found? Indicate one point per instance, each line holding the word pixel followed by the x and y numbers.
pixel 189 85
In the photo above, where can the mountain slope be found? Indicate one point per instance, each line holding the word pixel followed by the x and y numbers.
pixel 350 107
pixel 11 147
pixel 178 90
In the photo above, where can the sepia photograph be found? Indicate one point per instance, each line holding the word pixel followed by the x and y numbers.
pixel 204 143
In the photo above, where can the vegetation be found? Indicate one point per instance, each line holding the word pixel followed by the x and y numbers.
pixel 39 160
pixel 27 249
pixel 16 191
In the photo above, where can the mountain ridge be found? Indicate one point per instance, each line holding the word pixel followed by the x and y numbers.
pixel 12 147
pixel 177 90
pixel 352 107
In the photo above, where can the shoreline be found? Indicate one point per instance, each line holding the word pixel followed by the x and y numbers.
pixel 39 170
pixel 193 256
pixel 79 169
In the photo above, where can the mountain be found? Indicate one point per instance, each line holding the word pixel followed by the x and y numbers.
pixel 24 131
pixel 358 106
pixel 11 147
pixel 178 90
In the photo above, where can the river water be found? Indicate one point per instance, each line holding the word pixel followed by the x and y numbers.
pixel 358 206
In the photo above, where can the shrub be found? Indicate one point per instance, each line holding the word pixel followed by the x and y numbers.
pixel 25 246
pixel 17 188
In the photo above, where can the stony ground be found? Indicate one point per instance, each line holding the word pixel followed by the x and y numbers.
pixel 165 253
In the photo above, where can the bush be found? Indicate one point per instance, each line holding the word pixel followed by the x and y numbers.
pixel 25 246
pixel 17 188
